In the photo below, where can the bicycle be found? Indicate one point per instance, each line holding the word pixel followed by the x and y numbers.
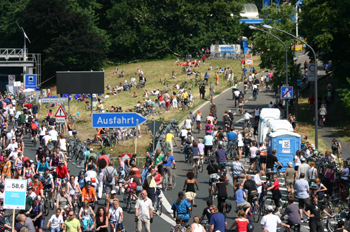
pixel 129 197
pixel 158 204
pixel 48 204
pixel 199 126
pixel 198 168
pixel 166 181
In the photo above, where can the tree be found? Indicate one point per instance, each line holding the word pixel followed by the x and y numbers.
pixel 272 51
pixel 184 26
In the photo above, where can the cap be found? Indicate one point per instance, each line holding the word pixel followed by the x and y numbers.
pixel 187 128
pixel 269 208
pixel 290 164
pixel 81 173
pixel 113 192
pixel 88 182
pixel 30 187
pixel 229 111
pixel 210 114
pixel 208 132
pixel 212 160
pixel 302 159
pixel 246 110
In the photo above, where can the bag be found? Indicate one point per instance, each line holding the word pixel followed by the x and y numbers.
pixel 208 128
pixel 109 176
pixel 217 136
pixel 93 179
pixel 335 146
pixel 189 140
pixel 165 159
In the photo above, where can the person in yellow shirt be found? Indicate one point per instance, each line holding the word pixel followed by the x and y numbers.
pixel 6 170
pixel 185 96
pixel 169 141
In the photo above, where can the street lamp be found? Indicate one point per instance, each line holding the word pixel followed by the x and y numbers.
pixel 255 28
pixel 316 105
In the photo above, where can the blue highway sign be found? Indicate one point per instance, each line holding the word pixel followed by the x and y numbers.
pixel 286 92
pixel 114 120
pixel 30 81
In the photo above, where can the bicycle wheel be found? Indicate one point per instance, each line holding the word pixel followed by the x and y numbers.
pixel 129 205
pixel 195 172
pixel 125 200
pixel 46 207
pixel 52 205
pixel 174 182
pixel 256 214
pixel 165 182
pixel 200 167
pixel 190 104
pixel 160 209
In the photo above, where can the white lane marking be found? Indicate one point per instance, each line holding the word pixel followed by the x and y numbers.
pixel 251 97
pixel 234 113
pixel 246 101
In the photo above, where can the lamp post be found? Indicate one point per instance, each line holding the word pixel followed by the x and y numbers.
pixel 255 28
pixel 315 58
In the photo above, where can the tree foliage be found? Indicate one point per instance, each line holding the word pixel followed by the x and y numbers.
pixel 184 26
pixel 273 55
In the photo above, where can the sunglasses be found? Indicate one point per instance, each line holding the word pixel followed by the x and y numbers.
pixel 71 215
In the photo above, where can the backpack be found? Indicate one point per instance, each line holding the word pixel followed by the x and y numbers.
pixel 126 167
pixel 165 159
pixel 217 136
pixel 109 176
pixel 335 146
pixel 208 128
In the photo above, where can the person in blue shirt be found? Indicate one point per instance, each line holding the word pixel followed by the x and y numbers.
pixel 168 159
pixel 244 72
pixel 232 136
pixel 42 165
pixel 35 109
pixel 241 197
pixel 218 221
pixel 206 78
pixel 181 207
pixel 81 179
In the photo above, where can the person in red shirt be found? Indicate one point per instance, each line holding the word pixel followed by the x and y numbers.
pixel 103 164
pixel 62 173
pixel 34 128
pixel 276 194
pixel 311 103
pixel 28 105
pixel 203 58
pixel 37 186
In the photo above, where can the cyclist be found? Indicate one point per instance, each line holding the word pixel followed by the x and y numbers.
pixel 247 145
pixel 322 112
pixel 56 221
pixel 237 168
pixel 47 181
pixel 37 213
pixel 227 121
pixel 62 174
pixel 208 143
pixel 292 211
pixel 271 161
pixel 116 216
pixel 73 188
pixel 253 156
pixel 269 222
pixel 168 159
pixel 189 186
pixel 80 179
pixel 221 157
pixel 241 198
pixel 88 193
pixel 181 207
pixel 195 154
pixel 183 135
pixel 34 128
pixel 221 188
pixel 241 101
pixel 236 93
pixel 247 118
pixel 2 219
pixel 255 91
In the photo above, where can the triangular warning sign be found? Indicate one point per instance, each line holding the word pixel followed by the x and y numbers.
pixel 60 113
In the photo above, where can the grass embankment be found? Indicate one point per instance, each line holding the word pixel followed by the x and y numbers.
pixel 153 71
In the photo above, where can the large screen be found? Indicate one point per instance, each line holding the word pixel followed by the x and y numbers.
pixel 80 82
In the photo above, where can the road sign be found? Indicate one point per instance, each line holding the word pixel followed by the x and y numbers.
pixel 60 113
pixel 15 194
pixel 311 72
pixel 115 120
pixel 30 81
pixel 60 120
pixel 21 87
pixel 249 62
pixel 286 92
pixel 54 100
pixel 11 79
pixel 154 126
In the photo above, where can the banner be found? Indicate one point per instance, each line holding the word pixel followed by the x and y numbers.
pixel 227 49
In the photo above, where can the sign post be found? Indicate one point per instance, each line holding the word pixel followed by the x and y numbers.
pixel 136 133
pixel 287 92
pixel 60 116
pixel 15 196
pixel 11 79
pixel 311 72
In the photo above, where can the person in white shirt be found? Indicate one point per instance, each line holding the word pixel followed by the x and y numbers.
pixel 53 133
pixel 91 175
pixel 270 105
pixel 115 215
pixel 269 222
pixel 253 152
pixel 246 117
pixel 56 221
pixel 14 154
pixel 133 80
pixel 345 171
pixel 42 131
pixel 259 183
pixel 10 134
pixel 12 146
pixel 183 136
pixel 240 143
pixel 46 138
